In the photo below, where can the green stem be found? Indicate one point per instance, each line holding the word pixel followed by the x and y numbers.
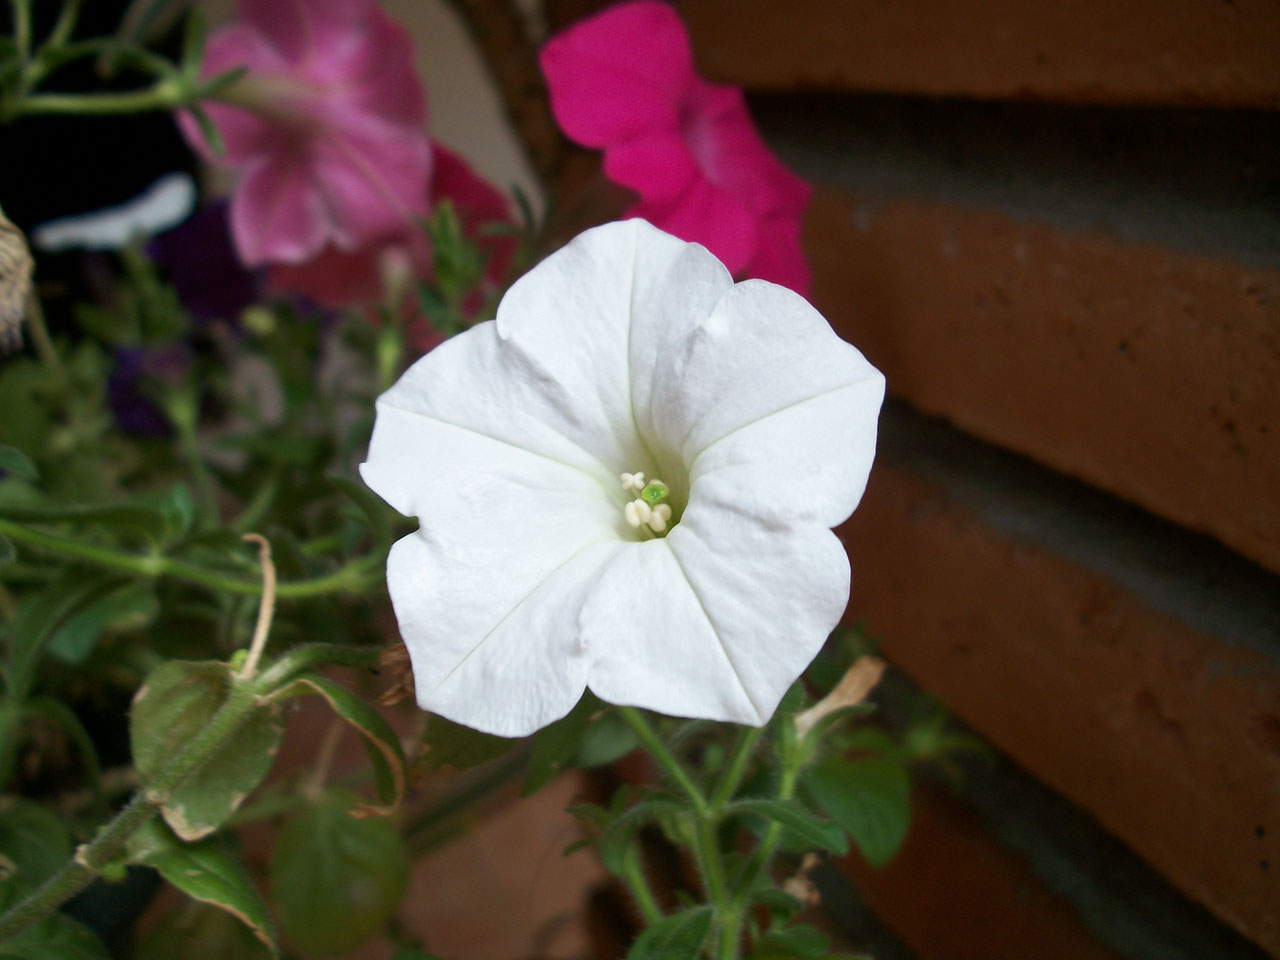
pixel 90 857
pixel 66 24
pixel 633 874
pixel 666 759
pixel 39 334
pixel 352 577
pixel 706 841
pixel 22 27
pixel 737 767
pixel 300 659
pixel 165 94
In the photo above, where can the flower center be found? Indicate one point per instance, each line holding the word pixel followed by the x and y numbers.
pixel 648 512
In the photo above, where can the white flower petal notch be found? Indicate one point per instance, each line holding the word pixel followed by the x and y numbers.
pixel 550 557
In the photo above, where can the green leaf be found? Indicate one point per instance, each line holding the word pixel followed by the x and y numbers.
pixel 555 745
pixel 38 615
pixel 198 931
pixel 869 797
pixel 176 702
pixel 793 815
pixel 13 461
pixel 7 552
pixel 617 835
pixel 677 937
pixel 449 744
pixel 336 880
pixel 804 942
pixel 56 937
pixel 34 843
pixel 369 504
pixel 160 517
pixel 608 739
pixel 125 606
pixel 381 742
pixel 204 871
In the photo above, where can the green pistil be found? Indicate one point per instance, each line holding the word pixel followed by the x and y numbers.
pixel 654 493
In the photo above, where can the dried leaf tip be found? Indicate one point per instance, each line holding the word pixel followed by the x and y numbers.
pixel 858 681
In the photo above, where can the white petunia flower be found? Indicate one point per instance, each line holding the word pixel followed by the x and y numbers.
pixel 536 571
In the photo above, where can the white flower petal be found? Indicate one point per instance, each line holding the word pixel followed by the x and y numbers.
pixel 495 649
pixel 772 595
pixel 764 352
pixel 808 462
pixel 651 645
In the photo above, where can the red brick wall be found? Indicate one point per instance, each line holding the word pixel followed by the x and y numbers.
pixel 1056 228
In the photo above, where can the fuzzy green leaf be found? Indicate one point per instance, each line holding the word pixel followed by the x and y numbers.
pixel 677 937
pixel 199 931
pixel 554 746
pixel 34 843
pixel 869 797
pixel 449 744
pixel 793 815
pixel 123 606
pixel 176 702
pixel 800 942
pixel 56 937
pixel 336 880
pixel 13 461
pixel 204 871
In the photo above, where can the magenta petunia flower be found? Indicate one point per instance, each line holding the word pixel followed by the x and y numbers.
pixel 623 81
pixel 326 128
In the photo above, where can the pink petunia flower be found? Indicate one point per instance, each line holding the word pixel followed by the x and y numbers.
pixel 623 81
pixel 337 278
pixel 326 128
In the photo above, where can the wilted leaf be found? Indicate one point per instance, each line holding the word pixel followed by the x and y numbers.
pixel 381 742
pixel 336 880
pixel 176 702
